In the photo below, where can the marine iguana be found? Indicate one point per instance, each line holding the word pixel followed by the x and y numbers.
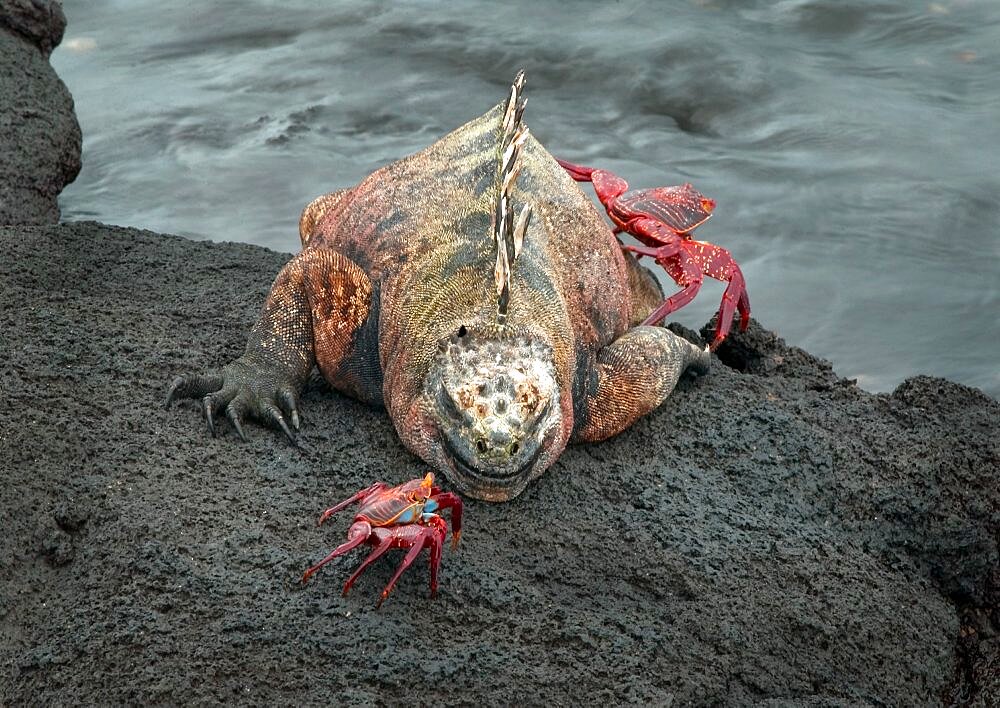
pixel 474 291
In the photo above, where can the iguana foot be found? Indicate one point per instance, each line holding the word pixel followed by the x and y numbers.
pixel 242 390
pixel 264 384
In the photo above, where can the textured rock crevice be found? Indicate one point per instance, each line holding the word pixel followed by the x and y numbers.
pixel 977 651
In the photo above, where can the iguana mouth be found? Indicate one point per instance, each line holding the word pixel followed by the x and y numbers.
pixel 463 466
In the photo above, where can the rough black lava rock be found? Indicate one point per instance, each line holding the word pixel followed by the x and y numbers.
pixel 41 22
pixel 772 534
pixel 39 134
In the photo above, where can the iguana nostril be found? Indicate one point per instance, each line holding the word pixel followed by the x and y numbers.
pixel 514 448
pixel 481 445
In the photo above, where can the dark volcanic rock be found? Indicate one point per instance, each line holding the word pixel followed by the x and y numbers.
pixel 772 534
pixel 41 22
pixel 39 134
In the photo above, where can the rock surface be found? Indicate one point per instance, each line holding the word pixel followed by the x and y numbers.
pixel 771 535
pixel 40 138
pixel 41 22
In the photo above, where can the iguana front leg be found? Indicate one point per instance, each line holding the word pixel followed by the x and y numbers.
pixel 317 303
pixel 633 375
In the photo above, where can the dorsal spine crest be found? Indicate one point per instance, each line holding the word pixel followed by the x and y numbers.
pixel 508 234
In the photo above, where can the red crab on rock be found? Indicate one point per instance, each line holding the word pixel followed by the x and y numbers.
pixel 663 218
pixel 397 517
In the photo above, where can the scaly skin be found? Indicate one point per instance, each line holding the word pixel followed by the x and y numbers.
pixel 393 298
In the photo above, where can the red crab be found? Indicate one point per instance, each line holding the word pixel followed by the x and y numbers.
pixel 397 517
pixel 663 218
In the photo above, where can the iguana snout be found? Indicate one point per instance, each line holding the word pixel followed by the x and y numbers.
pixel 497 404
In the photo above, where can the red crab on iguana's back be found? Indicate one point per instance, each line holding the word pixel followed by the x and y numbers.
pixel 475 292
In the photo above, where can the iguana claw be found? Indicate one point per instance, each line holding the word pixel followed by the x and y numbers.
pixel 275 416
pixel 234 414
pixel 192 387
pixel 241 391
pixel 287 397
pixel 206 411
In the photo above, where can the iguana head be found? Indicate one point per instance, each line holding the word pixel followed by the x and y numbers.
pixel 496 400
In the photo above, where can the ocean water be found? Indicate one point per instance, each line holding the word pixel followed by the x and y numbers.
pixel 853 146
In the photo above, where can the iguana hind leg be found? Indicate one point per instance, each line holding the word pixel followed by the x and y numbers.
pixel 633 375
pixel 318 303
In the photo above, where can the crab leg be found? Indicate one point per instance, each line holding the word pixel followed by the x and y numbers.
pixel 730 303
pixel 384 545
pixel 687 261
pixel 684 270
pixel 716 262
pixel 416 537
pixel 411 556
pixel 450 500
pixel 377 487
pixel 357 535
pixel 435 559
pixel 607 185
pixel 437 529
pixel 577 172
pixel 674 303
